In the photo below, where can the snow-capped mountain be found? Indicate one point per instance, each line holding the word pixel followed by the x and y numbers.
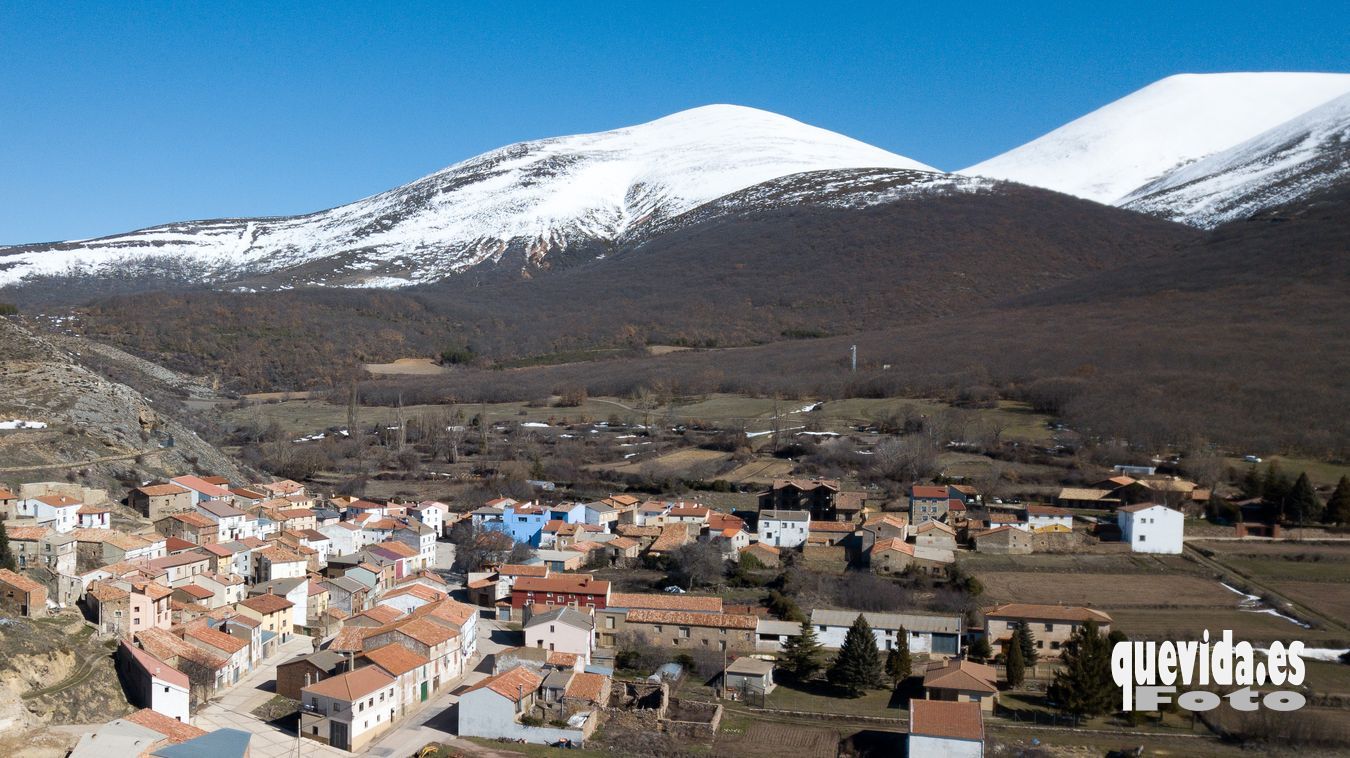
pixel 1296 158
pixel 532 198
pixel 1117 149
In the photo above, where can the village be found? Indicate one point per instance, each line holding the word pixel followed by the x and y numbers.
pixel 265 618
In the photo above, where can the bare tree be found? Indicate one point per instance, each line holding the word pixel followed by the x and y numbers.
pixel 910 458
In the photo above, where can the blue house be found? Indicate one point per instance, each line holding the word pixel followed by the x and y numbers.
pixel 523 521
pixel 569 513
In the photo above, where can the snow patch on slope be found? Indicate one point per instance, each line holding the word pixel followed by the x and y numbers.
pixel 1112 151
pixel 1290 161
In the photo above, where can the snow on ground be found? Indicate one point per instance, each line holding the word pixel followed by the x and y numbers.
pixel 21 424
pixel 1128 143
pixel 1275 167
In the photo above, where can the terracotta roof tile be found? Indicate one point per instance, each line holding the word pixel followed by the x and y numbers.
pixel 685 618
pixel 396 659
pixel 510 684
pixel 352 685
pixel 952 720
pixel 593 688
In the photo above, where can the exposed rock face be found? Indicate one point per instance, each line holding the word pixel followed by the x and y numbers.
pixel 96 431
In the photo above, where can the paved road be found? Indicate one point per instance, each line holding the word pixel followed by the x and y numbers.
pixel 233 710
pixel 437 721
pixel 434 722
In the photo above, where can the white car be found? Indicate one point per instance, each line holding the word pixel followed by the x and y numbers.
pixel 1252 458
pixel 672 589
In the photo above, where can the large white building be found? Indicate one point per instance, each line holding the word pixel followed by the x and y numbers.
pixel 1151 528
pixel 784 528
pixel 937 634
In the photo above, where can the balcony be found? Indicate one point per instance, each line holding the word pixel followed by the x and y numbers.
pixel 311 708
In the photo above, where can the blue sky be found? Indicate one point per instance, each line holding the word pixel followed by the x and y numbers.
pixel 113 118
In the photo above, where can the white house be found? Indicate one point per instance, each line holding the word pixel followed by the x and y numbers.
pixel 945 729
pixel 57 511
pixel 202 489
pixel 294 589
pixel 493 708
pixel 349 710
pixel 563 630
pixel 154 684
pixel 421 538
pixel 784 528
pixel 1151 528
pixel 1048 517
pixel 347 538
pixel 432 513
pixel 230 521
pixel 932 633
pixel 94 517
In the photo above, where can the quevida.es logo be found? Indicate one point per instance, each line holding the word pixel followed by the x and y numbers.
pixel 1150 674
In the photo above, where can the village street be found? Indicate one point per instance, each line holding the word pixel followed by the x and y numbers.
pixel 434 722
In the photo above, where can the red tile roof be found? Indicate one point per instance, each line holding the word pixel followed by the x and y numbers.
pixel 396 659
pixel 686 618
pixel 666 602
pixel 941 718
pixel 593 688
pixel 512 684
pixel 266 604
pixel 175 730
pixel 583 584
pixel 352 685
pixel 1031 611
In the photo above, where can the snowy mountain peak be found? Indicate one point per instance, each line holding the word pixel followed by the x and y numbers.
pixel 1116 149
pixel 1292 160
pixel 534 198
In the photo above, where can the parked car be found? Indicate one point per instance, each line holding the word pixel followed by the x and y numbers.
pixel 1252 458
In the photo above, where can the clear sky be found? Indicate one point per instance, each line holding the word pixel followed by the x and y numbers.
pixel 115 117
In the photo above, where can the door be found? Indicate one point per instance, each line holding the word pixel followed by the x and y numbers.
pixel 424 691
pixel 337 736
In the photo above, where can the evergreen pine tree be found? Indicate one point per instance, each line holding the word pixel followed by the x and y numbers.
pixel 6 557
pixel 858 665
pixel 801 654
pixel 1026 639
pixel 979 649
pixel 1083 686
pixel 1251 483
pixel 1302 504
pixel 1338 505
pixel 899 664
pixel 1016 664
pixel 1275 487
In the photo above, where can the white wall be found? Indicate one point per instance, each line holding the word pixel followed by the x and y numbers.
pixel 938 747
pixel 783 533
pixel 170 699
pixel 1154 530
pixel 484 713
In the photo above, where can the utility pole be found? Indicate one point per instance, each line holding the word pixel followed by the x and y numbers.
pixel 402 425
pixel 853 352
pixel 775 424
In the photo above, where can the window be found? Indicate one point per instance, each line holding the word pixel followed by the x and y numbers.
pixel 1049 627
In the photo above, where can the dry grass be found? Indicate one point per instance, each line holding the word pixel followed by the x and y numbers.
pixel 1107 590
pixel 407 367
pixel 1184 623
pixel 773 740
pixel 1331 598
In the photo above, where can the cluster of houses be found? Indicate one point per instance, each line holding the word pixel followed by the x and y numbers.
pixel 227 577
